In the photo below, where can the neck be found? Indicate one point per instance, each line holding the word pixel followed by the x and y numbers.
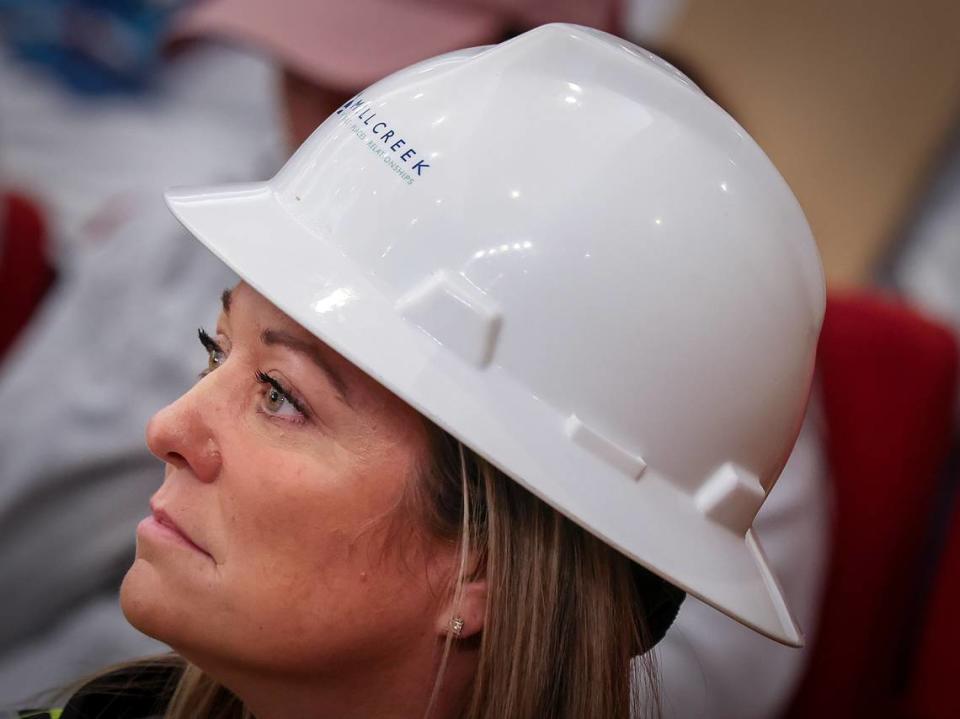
pixel 401 690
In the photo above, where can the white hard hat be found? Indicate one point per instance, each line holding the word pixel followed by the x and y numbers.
pixel 562 252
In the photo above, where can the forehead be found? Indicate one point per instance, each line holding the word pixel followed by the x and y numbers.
pixel 242 303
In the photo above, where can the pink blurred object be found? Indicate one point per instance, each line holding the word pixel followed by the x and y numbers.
pixel 348 45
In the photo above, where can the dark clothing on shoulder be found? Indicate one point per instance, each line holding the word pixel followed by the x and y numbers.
pixel 138 692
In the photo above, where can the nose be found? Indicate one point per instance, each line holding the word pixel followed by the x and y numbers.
pixel 181 434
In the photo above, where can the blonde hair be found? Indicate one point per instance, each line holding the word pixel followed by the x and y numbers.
pixel 565 613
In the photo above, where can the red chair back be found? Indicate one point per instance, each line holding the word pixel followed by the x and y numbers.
pixel 889 380
pixel 933 692
pixel 25 273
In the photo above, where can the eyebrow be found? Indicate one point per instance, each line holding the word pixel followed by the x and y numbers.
pixel 311 351
pixel 225 297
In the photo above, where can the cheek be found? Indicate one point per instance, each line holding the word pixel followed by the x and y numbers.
pixel 305 533
pixel 290 520
pixel 307 573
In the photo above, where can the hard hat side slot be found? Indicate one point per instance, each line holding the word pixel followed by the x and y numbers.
pixel 630 464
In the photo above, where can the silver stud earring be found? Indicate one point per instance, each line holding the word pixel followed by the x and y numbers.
pixel 456 626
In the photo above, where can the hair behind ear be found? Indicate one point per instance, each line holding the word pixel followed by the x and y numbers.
pixel 565 614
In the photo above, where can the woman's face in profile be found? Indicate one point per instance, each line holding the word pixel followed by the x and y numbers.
pixel 285 474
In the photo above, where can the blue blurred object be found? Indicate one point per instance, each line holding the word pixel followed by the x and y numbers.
pixel 94 46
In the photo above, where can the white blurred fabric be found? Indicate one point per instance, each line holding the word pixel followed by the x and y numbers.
pixel 114 341
pixel 714 668
pixel 211 114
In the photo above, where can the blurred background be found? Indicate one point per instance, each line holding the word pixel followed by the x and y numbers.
pixel 105 103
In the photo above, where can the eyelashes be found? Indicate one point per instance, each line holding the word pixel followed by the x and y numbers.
pixel 275 397
pixel 215 353
pixel 280 390
pixel 207 341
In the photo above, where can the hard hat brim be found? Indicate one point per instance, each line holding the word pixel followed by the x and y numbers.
pixel 324 291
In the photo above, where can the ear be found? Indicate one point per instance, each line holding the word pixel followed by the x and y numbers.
pixel 470 606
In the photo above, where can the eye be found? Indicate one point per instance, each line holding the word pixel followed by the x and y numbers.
pixel 275 401
pixel 215 354
pixel 279 401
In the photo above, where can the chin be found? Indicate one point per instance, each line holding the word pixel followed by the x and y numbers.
pixel 144 601
pixel 168 613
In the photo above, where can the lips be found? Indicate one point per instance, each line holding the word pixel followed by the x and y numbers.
pixel 161 517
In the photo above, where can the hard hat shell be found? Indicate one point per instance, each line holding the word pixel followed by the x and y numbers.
pixel 562 252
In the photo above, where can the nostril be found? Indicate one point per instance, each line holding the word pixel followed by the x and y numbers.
pixel 176 459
